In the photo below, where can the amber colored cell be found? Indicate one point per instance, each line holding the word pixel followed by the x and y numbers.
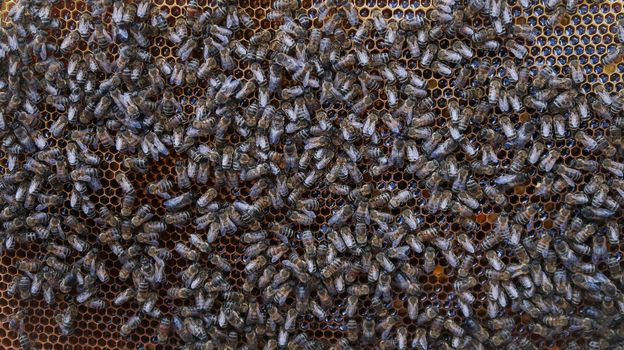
pixel 438 271
pixel 491 218
pixel 519 190
pixel 481 218
pixel 524 117
pixel 610 68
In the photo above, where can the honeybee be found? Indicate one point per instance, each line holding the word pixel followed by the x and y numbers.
pixel 179 202
pixel 164 329
pixel 442 69
pixel 220 263
pixel 186 252
pixel 16 320
pixel 130 325
pixel 124 183
pixel 614 167
pixel 24 341
pixel 613 55
pixel 612 232
pixel 576 72
pixel 255 264
pixel 66 319
pixel 428 55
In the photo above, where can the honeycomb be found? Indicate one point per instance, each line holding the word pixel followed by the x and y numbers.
pixel 586 35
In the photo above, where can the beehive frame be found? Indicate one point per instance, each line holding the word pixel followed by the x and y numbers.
pixel 586 35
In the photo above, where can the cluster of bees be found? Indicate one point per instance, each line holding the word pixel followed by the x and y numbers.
pixel 377 244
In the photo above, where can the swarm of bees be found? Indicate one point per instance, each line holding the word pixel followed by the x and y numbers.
pixel 271 141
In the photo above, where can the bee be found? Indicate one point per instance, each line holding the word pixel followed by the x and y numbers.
pixel 130 325
pixel 466 243
pixel 124 183
pixel 390 36
pixel 77 243
pixel 463 50
pixel 544 188
pixel 180 202
pixel 24 341
pixel 583 234
pixel 16 320
pixel 179 293
pixel 220 263
pixel 66 319
pixel 69 42
pixel 24 286
pixel 428 55
pixel 164 329
pixel 234 319
pixel 587 141
pixel 28 265
pixel 186 252
pixel 453 327
pixel 169 105
pixel 526 215
pixel 160 188
pixel 555 321
pixel 613 55
pixel 576 198
pixel 442 69
pixel 612 232
pixel 549 160
pixel 255 264
pixel 576 72
pixel 494 261
pixel 400 198
pixel 599 248
pixel 463 75
pixel 616 168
